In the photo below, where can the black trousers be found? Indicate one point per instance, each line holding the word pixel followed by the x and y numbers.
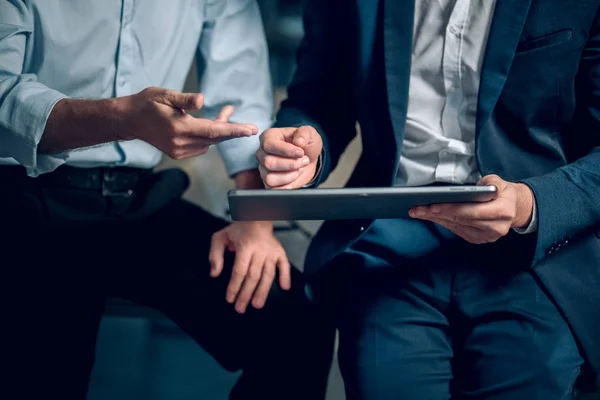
pixel 67 248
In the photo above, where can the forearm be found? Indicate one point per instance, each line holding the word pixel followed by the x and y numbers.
pixel 567 202
pixel 249 179
pixel 75 124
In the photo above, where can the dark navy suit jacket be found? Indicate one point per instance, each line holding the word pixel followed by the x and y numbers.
pixel 538 122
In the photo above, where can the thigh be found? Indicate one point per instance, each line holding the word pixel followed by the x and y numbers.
pixel 51 306
pixel 517 345
pixel 52 335
pixel 394 336
pixel 161 261
pixel 286 346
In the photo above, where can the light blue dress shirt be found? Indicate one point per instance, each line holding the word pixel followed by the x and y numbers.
pixel 93 49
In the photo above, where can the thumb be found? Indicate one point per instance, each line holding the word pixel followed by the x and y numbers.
pixel 184 101
pixel 216 256
pixel 309 140
pixel 493 180
pixel 225 113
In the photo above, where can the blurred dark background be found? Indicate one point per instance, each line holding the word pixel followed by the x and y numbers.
pixel 143 356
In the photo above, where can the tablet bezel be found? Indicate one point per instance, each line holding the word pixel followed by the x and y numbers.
pixel 359 203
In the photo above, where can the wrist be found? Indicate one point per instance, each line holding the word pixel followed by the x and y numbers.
pixel 313 170
pixel 249 179
pixel 261 225
pixel 525 201
pixel 122 109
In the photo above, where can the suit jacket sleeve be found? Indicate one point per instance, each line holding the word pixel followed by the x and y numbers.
pixel 568 199
pixel 322 92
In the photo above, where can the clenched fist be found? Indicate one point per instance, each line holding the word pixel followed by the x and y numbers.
pixel 288 157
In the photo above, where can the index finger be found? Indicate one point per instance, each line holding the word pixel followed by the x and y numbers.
pixel 279 147
pixel 238 274
pixel 219 131
pixel 489 211
pixel 285 279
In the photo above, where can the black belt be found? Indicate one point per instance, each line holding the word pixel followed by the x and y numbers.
pixel 112 181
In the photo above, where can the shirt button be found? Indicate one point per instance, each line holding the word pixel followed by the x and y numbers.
pixel 362 228
pixel 453 29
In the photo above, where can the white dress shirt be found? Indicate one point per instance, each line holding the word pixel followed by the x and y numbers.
pixel 449 42
pixel 50 50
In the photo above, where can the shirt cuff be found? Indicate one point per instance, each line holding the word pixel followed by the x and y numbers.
pixel 533 225
pixel 240 154
pixel 315 178
pixel 23 115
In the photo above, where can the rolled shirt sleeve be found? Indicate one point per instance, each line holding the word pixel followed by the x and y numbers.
pixel 25 104
pixel 234 70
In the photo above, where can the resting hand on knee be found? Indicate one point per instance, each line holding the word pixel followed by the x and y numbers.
pixel 258 255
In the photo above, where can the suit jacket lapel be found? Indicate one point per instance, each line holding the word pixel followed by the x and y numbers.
pixel 367 11
pixel 398 17
pixel 507 26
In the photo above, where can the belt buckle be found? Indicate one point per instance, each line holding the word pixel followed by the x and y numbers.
pixel 107 178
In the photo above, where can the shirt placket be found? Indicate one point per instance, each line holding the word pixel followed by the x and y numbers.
pixel 452 70
pixel 125 60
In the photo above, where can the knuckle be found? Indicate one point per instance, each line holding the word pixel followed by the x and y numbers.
pixel 510 215
pixel 271 180
pixel 263 171
pixel 239 271
pixel 268 146
pixel 504 213
pixel 270 162
pixel 174 129
pixel 500 230
pixel 177 142
pixel 172 151
pixel 211 132
pixel 243 297
pixel 268 134
pixel 493 239
pixel 203 151
pixel 269 275
pixel 254 274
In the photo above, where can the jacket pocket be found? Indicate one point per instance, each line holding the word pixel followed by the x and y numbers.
pixel 545 41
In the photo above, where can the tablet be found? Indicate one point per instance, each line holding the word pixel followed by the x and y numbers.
pixel 346 203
